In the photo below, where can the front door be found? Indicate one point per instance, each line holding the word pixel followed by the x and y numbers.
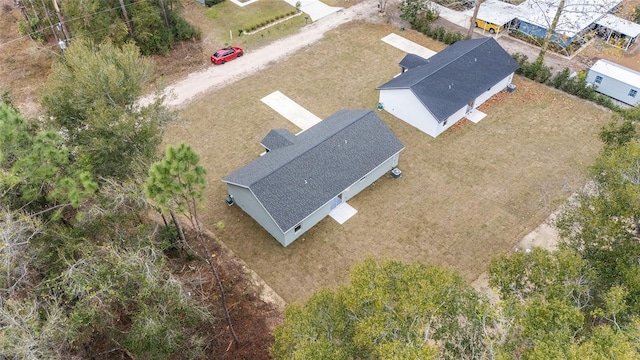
pixel 336 201
pixel 470 106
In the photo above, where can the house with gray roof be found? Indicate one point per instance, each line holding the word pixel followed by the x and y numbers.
pixel 302 177
pixel 436 94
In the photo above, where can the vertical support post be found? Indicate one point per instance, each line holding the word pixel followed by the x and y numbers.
pixel 61 20
pixel 126 17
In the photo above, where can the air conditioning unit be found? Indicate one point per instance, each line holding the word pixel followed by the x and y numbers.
pixel 229 200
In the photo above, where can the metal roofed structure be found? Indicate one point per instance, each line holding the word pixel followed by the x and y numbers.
pixel 626 30
pixel 496 12
pixel 577 16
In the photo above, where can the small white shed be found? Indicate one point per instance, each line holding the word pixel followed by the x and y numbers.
pixel 615 81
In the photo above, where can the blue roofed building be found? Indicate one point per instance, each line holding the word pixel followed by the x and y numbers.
pixel 302 177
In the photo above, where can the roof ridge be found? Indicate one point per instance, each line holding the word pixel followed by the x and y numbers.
pixel 298 143
pixel 483 40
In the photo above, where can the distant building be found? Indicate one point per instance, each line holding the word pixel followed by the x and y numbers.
pixel 435 93
pixel 615 81
pixel 576 19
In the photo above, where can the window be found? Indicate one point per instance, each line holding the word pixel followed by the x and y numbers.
pixel 598 79
pixel 297 228
pixel 633 93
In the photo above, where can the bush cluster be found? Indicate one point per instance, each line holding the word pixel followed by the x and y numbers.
pixel 210 3
pixel 552 46
pixel 437 32
pixel 574 85
pixel 255 27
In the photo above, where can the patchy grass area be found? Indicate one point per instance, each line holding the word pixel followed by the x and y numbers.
pixel 341 3
pixel 235 17
pixel 215 24
pixel 464 197
pixel 24 63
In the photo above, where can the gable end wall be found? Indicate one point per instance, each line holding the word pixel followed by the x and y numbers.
pixel 404 105
pixel 245 199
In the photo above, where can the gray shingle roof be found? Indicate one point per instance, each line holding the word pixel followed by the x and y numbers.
pixel 294 181
pixel 277 138
pixel 411 61
pixel 456 75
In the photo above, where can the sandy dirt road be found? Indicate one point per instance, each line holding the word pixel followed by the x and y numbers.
pixel 215 77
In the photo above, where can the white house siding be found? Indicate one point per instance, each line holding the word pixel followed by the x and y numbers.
pixel 614 88
pixel 306 224
pixel 245 199
pixel 249 204
pixel 493 90
pixel 404 105
pixel 370 178
pixel 457 116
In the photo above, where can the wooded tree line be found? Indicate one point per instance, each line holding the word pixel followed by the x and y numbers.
pixel 153 25
pixel 83 271
pixel 581 301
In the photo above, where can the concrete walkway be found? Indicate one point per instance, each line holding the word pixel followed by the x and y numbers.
pixel 243 4
pixel 290 110
pixel 314 8
pixel 452 16
pixel 342 213
pixel 475 116
pixel 408 46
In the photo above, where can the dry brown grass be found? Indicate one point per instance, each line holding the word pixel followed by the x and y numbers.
pixel 24 63
pixel 464 197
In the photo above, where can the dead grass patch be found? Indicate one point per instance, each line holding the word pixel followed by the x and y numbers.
pixel 24 63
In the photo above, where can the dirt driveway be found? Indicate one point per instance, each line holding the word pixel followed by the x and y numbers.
pixel 215 77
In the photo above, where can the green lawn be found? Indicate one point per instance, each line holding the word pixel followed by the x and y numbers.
pixel 465 196
pixel 216 22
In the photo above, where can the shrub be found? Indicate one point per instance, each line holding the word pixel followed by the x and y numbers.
pixel 439 33
pixel 560 79
pixel 576 85
pixel 210 3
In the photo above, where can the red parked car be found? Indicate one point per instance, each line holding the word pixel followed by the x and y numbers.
pixel 226 54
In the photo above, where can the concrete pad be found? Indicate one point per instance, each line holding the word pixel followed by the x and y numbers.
pixel 342 213
pixel 243 4
pixel 293 112
pixel 452 16
pixel 408 46
pixel 475 116
pixel 314 8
